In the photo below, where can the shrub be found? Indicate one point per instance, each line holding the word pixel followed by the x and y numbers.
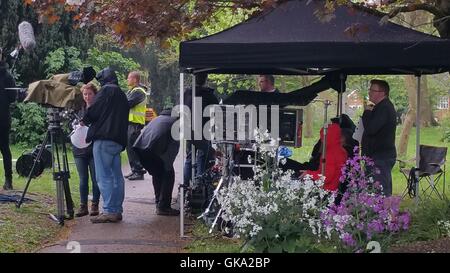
pixel 28 124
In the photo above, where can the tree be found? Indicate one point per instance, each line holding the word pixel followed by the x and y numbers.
pixel 30 66
pixel 135 21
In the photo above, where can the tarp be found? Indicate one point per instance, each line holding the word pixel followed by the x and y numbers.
pixel 290 39
pixel 55 92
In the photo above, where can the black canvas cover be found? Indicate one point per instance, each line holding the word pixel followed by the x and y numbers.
pixel 290 39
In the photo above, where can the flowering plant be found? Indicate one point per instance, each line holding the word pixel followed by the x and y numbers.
pixel 364 213
pixel 273 211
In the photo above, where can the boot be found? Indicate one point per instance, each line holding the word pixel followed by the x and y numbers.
pixel 94 209
pixel 8 184
pixel 82 211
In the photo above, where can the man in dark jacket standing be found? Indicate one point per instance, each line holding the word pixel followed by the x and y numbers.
pixel 108 120
pixel 378 140
pixel 204 151
pixel 6 98
pixel 157 151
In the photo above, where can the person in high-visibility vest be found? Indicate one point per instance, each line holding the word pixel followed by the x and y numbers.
pixel 137 100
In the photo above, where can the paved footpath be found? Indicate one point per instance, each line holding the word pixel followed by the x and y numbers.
pixel 141 230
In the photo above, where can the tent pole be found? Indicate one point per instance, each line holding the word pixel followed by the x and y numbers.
pixel 193 124
pixel 183 153
pixel 338 106
pixel 417 136
pixel 342 76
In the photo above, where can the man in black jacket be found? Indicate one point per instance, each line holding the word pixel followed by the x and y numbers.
pixel 378 140
pixel 204 150
pixel 108 120
pixel 6 98
pixel 157 151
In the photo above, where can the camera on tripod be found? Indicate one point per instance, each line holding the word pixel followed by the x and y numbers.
pixel 61 95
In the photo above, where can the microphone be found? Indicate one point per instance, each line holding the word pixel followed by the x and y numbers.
pixel 26 36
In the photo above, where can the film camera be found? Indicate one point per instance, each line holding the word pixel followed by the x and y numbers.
pixel 60 95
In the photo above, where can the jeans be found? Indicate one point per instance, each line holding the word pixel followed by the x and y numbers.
pixel 384 177
pixel 109 175
pixel 85 165
pixel 133 132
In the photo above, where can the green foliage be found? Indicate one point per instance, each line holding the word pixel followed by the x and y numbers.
pixel 28 124
pixel 227 84
pixel 49 37
pixel 63 60
pixel 101 59
pixel 163 73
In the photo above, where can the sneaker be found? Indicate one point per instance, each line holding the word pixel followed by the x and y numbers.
pixel 82 211
pixel 128 175
pixel 136 176
pixel 107 218
pixel 168 212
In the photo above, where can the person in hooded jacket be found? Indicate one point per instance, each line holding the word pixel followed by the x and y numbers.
pixel 335 158
pixel 108 120
pixel 6 98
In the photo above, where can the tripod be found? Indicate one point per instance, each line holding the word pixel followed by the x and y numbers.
pixel 60 166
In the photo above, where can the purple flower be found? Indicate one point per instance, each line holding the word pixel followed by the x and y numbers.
pixel 375 226
pixel 360 226
pixel 348 239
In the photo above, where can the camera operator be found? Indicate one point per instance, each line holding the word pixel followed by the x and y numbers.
pixel 6 98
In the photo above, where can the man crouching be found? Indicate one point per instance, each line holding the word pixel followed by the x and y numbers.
pixel 157 151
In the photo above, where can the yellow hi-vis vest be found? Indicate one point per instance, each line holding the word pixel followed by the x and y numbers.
pixel 137 113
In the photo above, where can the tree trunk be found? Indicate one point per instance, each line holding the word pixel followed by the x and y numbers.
pixel 410 116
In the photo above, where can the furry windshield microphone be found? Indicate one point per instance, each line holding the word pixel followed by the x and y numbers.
pixel 26 36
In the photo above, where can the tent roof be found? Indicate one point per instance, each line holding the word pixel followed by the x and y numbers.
pixel 290 39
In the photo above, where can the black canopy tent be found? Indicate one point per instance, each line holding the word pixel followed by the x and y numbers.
pixel 291 40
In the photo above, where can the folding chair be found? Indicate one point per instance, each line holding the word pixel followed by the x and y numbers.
pixel 430 172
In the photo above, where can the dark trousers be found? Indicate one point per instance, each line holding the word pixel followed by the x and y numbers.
pixel 133 132
pixel 384 175
pixel 6 152
pixel 163 177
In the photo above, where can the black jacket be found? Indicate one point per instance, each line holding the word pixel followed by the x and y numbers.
pixel 378 141
pixel 108 115
pixel 6 97
pixel 156 138
pixel 208 98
